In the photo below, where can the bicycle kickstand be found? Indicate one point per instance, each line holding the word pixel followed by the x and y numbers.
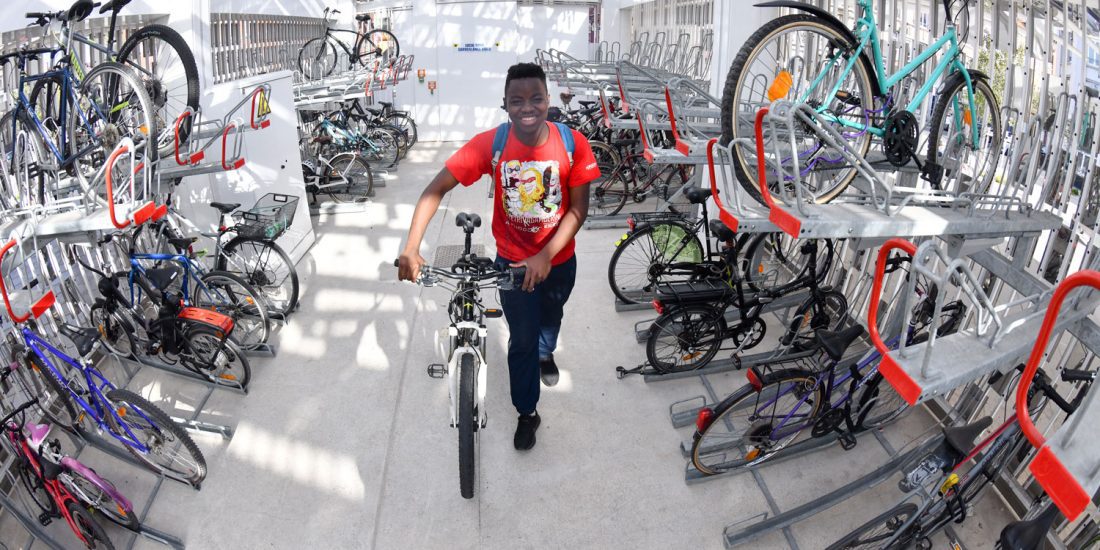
pixel 621 372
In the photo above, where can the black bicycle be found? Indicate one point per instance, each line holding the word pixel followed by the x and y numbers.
pixel 318 56
pixel 692 325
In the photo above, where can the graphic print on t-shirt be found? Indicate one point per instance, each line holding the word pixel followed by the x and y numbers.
pixel 531 194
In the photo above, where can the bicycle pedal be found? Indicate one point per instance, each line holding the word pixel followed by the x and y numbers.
pixel 45 519
pixel 437 370
pixel 847 440
pixel 932 173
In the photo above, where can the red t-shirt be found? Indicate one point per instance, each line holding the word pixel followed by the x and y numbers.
pixel 529 207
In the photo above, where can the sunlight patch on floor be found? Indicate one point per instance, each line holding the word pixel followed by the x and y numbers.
pixel 334 473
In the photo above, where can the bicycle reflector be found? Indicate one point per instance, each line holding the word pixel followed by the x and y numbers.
pixel 781 86
pixel 754 379
pixel 657 305
pixel 706 416
pixel 630 223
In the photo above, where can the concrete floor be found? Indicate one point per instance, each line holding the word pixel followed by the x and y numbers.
pixel 343 440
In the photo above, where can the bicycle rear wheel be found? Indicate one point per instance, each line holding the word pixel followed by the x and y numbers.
pixel 877 532
pixel 265 266
pixel 685 339
pixel 28 161
pixel 828 312
pixel 350 179
pixel 170 449
pixel 405 123
pixel 642 260
pixel 89 529
pixel 751 426
pixel 380 147
pixel 115 333
pixel 772 260
pixel 231 295
pixel 217 358
pixel 317 58
pixel 467 431
pixel 607 192
pixel 878 404
pixel 163 61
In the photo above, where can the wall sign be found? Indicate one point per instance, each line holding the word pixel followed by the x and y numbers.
pixel 476 47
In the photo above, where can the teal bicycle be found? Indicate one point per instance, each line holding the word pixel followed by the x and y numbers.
pixel 813 58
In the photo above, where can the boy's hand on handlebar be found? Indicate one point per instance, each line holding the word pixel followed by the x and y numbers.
pixel 408 265
pixel 538 268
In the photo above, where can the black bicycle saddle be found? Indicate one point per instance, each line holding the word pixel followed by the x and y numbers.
pixel 113 5
pixel 362 17
pixel 225 207
pixel 836 343
pixel 960 439
pixel 80 10
pixel 83 338
pixel 697 195
pixel 1028 535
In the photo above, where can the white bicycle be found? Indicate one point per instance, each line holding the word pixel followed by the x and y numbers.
pixel 466 334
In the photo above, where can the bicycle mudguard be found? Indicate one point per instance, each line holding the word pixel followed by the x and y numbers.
pixel 957 76
pixel 213 319
pixel 103 485
pixel 832 21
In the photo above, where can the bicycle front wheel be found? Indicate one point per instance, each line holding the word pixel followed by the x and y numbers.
pixel 642 260
pixel 115 333
pixel 829 311
pixel 349 180
pixel 231 295
pixel 751 426
pixel 878 403
pixel 877 532
pixel 317 58
pixel 377 44
pixel 405 123
pixel 264 265
pixel 169 449
pixel 380 147
pixel 53 397
pixel 467 431
pixel 92 533
pixel 772 260
pixel 163 61
pixel 28 161
pixel 782 60
pixel 685 339
pixel 111 104
pixel 966 141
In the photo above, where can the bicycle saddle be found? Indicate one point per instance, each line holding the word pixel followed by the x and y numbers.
pixel 696 195
pixel 362 17
pixel 836 343
pixel 83 338
pixel 181 243
pixel 467 221
pixel 385 104
pixel 1026 535
pixel 960 439
pixel 162 277
pixel 225 207
pixel 586 102
pixel 80 10
pixel 720 230
pixel 113 5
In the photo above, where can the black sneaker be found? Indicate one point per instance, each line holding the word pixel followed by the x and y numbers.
pixel 548 371
pixel 525 431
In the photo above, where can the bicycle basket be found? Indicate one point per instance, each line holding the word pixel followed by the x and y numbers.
pixel 269 218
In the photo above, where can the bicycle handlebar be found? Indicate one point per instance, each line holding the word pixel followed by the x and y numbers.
pixel 20 408
pixel 515 275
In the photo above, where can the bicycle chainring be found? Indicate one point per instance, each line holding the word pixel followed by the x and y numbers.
pixel 749 336
pixel 899 142
pixel 828 423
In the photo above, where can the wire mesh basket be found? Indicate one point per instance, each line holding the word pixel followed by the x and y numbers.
pixel 269 218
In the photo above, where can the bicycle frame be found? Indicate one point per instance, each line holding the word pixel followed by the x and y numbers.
pixel 191 271
pixel 866 31
pixel 60 496
pixel 96 382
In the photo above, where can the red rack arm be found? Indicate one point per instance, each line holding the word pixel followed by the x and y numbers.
pixel 39 306
pixel 225 138
pixel 111 189
pixel 264 123
pixel 179 120
pixel 788 223
pixel 905 386
pixel 680 145
pixel 725 216
pixel 1052 474
pixel 606 111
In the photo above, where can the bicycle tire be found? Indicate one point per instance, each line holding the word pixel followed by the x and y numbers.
pixel 158 431
pixel 59 407
pixel 608 192
pixel 377 44
pixel 406 124
pixel 939 153
pixel 323 55
pixel 172 81
pixel 878 404
pixel 87 528
pixel 229 367
pixel 113 105
pixel 230 294
pixel 267 267
pixel 350 179
pixel 90 493
pixel 27 155
pixel 467 432
pixel 116 334
pixel 677 176
pixel 635 266
pixel 871 535
pixel 830 312
pixel 772 260
pixel 711 447
pixel 685 339
pixel 744 108
pixel 35 487
pixel 380 148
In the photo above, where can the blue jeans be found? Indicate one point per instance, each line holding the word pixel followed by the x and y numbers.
pixel 534 321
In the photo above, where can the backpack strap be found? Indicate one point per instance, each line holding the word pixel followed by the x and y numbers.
pixel 566 134
pixel 499 141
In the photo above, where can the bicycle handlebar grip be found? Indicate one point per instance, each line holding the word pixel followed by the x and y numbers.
pixel 1078 375
pixel 396 263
